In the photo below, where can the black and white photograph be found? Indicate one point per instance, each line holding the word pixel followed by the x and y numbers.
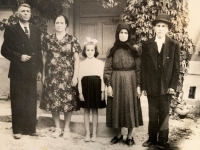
pixel 99 75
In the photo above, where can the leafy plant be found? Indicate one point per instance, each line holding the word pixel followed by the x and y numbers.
pixel 42 12
pixel 140 13
pixel 108 3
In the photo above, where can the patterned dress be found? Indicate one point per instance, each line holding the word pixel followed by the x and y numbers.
pixel 122 72
pixel 58 94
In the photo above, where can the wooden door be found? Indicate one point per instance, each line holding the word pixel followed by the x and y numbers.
pixel 94 21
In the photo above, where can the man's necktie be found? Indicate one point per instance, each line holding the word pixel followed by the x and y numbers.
pixel 26 31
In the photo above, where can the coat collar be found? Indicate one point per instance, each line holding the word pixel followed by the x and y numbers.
pixel 167 48
pixel 153 49
pixel 23 35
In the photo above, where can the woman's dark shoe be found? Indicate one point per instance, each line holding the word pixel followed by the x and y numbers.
pixel 130 142
pixel 116 139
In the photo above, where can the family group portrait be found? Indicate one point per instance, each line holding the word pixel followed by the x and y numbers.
pixel 99 75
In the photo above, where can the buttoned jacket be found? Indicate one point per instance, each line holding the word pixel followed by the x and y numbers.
pixel 170 69
pixel 16 43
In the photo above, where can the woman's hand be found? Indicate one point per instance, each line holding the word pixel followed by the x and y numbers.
pixel 103 95
pixel 43 79
pixel 139 92
pixel 39 76
pixel 74 81
pixel 110 91
pixel 81 97
pixel 144 92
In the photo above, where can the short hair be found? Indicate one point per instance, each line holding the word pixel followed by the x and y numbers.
pixel 24 5
pixel 65 18
pixel 95 48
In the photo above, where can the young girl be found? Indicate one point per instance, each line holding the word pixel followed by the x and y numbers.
pixel 91 86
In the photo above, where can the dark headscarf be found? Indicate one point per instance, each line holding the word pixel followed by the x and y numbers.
pixel 119 44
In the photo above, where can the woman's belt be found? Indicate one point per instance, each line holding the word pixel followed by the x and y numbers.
pixel 123 69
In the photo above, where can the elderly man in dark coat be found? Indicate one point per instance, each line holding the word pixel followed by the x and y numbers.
pixel 159 79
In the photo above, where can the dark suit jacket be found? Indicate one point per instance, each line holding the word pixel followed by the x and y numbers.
pixel 170 69
pixel 16 43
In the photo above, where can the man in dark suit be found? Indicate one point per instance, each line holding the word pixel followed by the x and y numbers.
pixel 22 47
pixel 160 73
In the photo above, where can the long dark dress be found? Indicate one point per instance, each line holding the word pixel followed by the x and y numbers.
pixel 122 72
pixel 58 94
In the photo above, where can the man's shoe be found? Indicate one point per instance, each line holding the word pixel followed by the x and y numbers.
pixel 148 143
pixel 153 147
pixel 130 142
pixel 163 146
pixel 17 136
pixel 116 139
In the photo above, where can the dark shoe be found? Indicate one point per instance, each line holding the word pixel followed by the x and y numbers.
pixel 153 147
pixel 164 146
pixel 17 136
pixel 116 139
pixel 148 143
pixel 130 142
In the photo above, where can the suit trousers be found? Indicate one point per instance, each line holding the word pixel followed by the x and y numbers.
pixel 23 105
pixel 158 128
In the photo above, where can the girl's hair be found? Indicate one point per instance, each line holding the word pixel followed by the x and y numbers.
pixel 95 48
pixel 65 18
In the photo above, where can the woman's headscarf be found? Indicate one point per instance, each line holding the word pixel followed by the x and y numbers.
pixel 126 45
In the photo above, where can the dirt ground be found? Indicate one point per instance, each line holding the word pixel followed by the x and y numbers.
pixel 184 135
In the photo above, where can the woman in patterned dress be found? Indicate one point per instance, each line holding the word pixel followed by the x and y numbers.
pixel 122 77
pixel 60 73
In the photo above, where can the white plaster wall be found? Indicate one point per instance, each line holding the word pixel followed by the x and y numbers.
pixel 194 24
pixel 4 63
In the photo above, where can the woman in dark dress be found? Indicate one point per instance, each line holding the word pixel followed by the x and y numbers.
pixel 60 75
pixel 122 77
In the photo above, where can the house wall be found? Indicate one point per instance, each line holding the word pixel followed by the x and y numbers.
pixel 4 63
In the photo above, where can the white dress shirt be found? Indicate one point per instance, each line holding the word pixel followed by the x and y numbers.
pixel 22 26
pixel 91 67
pixel 160 42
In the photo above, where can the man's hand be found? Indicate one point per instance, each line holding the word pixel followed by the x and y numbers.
pixel 25 58
pixel 170 91
pixel 39 76
pixel 144 92
pixel 81 97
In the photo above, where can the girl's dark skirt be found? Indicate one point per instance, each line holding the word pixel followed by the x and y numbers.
pixel 91 88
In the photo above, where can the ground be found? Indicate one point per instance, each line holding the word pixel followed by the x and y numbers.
pixel 184 135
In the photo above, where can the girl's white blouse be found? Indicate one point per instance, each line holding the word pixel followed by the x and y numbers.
pixel 91 67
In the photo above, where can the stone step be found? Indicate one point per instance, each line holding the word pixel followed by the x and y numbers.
pixel 77 125
pixel 77 121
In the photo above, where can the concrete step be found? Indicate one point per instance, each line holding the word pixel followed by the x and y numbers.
pixel 77 121
pixel 77 125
